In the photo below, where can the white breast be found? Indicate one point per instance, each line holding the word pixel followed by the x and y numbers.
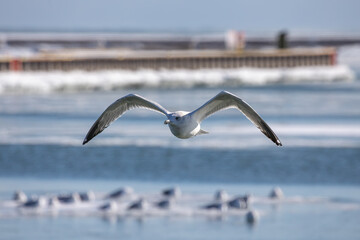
pixel 187 129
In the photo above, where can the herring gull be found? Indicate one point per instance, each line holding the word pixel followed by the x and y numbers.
pixel 182 124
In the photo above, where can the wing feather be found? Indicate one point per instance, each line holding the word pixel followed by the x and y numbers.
pixel 225 100
pixel 117 109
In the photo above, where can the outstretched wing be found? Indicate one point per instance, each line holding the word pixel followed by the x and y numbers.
pixel 225 100
pixel 118 108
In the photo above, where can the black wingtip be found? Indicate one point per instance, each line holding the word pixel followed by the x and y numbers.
pixel 85 141
pixel 92 132
pixel 278 143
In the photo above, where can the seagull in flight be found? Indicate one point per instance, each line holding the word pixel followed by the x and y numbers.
pixel 182 124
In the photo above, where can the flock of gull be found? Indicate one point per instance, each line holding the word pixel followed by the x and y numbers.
pixel 126 201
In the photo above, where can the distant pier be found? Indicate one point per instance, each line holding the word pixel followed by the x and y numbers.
pixel 170 59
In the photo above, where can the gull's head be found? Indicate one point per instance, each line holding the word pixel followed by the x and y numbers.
pixel 176 118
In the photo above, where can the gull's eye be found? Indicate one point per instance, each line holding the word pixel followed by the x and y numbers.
pixel 177 118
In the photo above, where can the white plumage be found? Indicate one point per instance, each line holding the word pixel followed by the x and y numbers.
pixel 182 124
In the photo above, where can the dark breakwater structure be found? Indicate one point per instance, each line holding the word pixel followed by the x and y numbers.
pixel 96 51
pixel 171 59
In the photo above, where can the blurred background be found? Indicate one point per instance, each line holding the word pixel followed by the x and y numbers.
pixel 297 63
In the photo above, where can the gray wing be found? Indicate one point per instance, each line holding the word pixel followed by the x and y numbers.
pixel 118 108
pixel 225 100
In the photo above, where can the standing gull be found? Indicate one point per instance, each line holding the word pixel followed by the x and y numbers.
pixel 182 124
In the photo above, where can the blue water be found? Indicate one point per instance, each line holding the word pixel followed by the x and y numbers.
pixel 318 124
pixel 312 165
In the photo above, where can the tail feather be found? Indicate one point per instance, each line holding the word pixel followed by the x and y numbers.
pixel 202 132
